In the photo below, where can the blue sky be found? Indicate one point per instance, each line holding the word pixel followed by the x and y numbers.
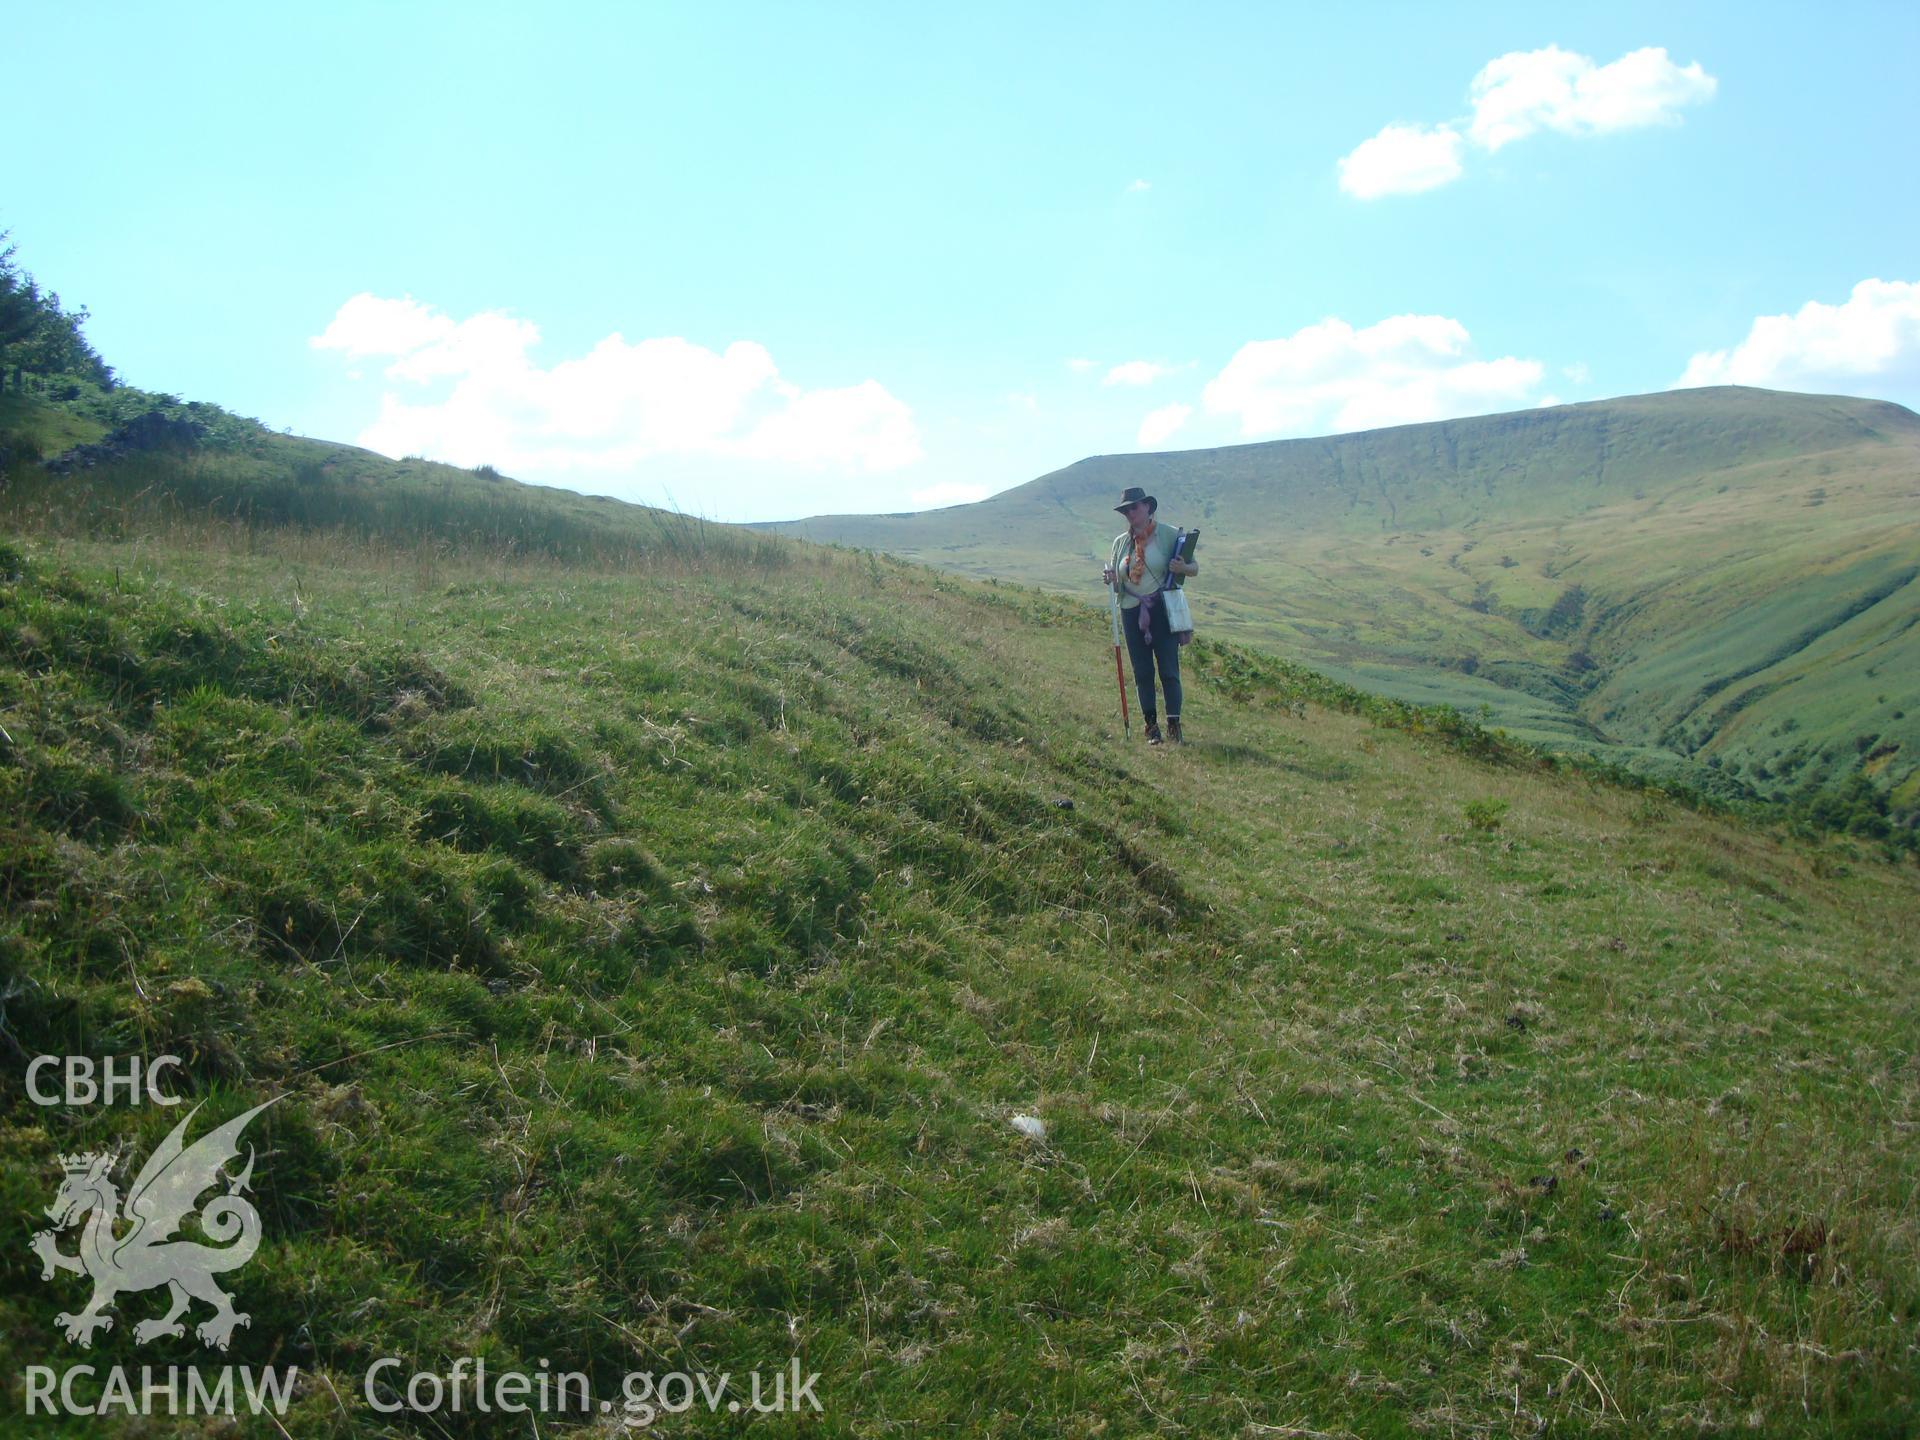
pixel 766 261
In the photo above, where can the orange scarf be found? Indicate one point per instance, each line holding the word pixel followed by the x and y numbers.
pixel 1137 566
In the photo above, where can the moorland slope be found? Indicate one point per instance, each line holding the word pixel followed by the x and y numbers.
pixel 1717 584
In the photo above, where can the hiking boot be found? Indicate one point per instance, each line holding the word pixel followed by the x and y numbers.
pixel 1153 732
pixel 1173 730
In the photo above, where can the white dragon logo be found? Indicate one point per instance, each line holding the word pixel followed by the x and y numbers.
pixel 164 1194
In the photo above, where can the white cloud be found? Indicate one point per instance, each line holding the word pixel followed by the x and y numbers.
pixel 1138 186
pixel 861 426
pixel 1871 341
pixel 1330 376
pixel 368 325
pixel 1136 372
pixel 1401 160
pixel 1519 94
pixel 1577 372
pixel 948 492
pixel 1024 400
pixel 1080 366
pixel 488 343
pixel 1554 89
pixel 618 405
pixel 1162 423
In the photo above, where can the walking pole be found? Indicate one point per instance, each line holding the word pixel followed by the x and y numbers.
pixel 1126 722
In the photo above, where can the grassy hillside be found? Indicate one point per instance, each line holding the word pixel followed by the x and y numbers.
pixel 655 944
pixel 31 428
pixel 1717 584
pixel 245 479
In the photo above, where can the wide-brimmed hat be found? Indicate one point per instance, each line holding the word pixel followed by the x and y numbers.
pixel 1133 495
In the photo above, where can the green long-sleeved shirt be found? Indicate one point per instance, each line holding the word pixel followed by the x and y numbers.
pixel 1159 552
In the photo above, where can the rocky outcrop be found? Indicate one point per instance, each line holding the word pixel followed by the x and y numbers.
pixel 155 430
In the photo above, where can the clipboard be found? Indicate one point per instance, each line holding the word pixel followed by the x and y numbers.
pixel 1184 552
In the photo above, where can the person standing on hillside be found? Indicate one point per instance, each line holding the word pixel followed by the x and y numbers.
pixel 1141 561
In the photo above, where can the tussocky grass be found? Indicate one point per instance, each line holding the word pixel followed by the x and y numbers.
pixel 654 957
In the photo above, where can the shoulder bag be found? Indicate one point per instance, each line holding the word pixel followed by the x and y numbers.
pixel 1173 599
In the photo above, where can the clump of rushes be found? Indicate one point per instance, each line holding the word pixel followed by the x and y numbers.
pixel 1485 815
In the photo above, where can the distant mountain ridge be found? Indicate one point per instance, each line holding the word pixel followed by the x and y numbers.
pixel 1717 580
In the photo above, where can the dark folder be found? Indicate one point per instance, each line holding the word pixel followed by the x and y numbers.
pixel 1185 552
